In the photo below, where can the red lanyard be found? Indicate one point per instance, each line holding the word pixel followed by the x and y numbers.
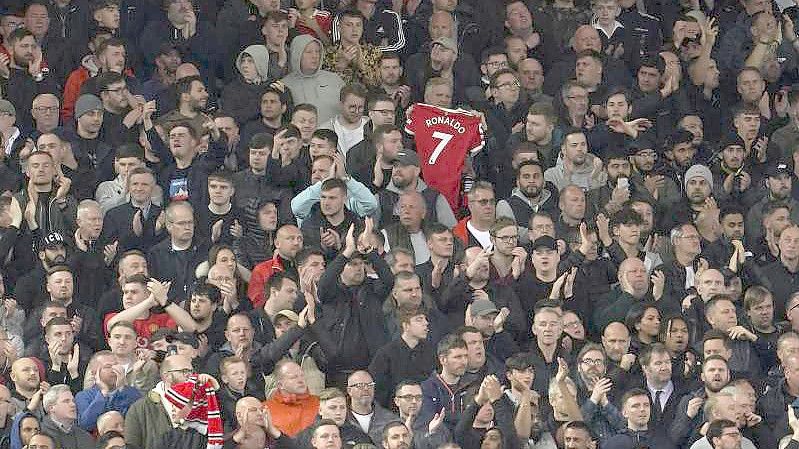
pixel 451 393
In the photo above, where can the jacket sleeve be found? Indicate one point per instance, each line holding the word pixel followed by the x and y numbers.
pixel 266 357
pixel 465 436
pixel 384 275
pixel 91 404
pixel 503 415
pixel 444 212
pixel 302 203
pixel 134 425
pixel 682 425
pixel 328 284
pixel 361 200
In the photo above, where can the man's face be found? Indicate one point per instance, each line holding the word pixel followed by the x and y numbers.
pixel 352 108
pixel 636 410
pixel 518 16
pixel 45 112
pixel 292 379
pixel 587 38
pixel 441 25
pixel 276 33
pixel 332 202
pixel 538 128
pixel 409 400
pixel 648 79
pixel 198 96
pixel 733 156
pixel 122 340
pixel 545 259
pixel 711 283
pixel 778 220
pixel 320 169
pixel 750 86
pixel 90 223
pixel 789 243
pixel 715 375
pixel 697 189
pixel 113 58
pixel 575 148
pixel 285 296
pixel 383 113
pixel 335 409
pixel 441 245
pixel 37 20
pixel 141 187
pixel 618 168
pixel 311 58
pixel 618 107
pixel 123 166
pixel 201 307
pixel 181 142
pixel 441 57
pixel 25 374
pixel 531 74
pixel 747 125
pixel 181 226
pixel 633 274
pixel 616 341
pixel 730 439
pixel 29 427
pixel 455 361
pixel 258 158
pixel 361 389
pixel 572 203
pixel 326 437
pixel 644 160
pixel 494 63
pixel 40 441
pixel 592 366
pixel 239 332
pixel 732 225
pixel 60 285
pixel 516 50
pixel 547 327
pixel 683 153
pixel 476 349
pixel 588 71
pixel 22 51
pixel 169 62
pixel 351 29
pixel 60 337
pixel 715 347
pixel 289 242
pixel 605 11
pixel 482 205
pixel 91 122
pixel 658 371
pixel 220 192
pixel 576 439
pixel 689 242
pixel 390 71
pixel 8 24
pixel 439 95
pixel 411 212
pixel 507 88
pixel 397 437
pixel 271 107
pixel 306 121
pixel 761 314
pixel 722 316
pixel 779 186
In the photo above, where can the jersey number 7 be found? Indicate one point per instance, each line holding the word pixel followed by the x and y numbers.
pixel 444 139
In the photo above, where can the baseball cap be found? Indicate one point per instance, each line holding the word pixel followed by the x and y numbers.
pixel 187 338
pixel 407 157
pixel 7 107
pixel 777 169
pixel 50 240
pixel 290 314
pixel 546 242
pixel 482 307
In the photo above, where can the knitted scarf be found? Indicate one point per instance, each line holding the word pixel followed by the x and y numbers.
pixel 199 408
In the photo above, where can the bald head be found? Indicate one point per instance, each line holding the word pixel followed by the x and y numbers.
pixel 586 37
pixel 441 24
pixel 175 362
pixel 616 340
pixel 186 70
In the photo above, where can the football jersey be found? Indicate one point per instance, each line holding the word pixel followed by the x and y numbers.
pixel 443 138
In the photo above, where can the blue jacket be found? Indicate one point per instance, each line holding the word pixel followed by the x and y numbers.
pixel 91 404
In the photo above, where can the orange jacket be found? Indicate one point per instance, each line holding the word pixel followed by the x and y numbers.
pixel 460 231
pixel 292 413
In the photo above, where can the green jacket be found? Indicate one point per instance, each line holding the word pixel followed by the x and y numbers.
pixel 146 422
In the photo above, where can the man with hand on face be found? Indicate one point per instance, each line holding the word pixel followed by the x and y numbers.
pixel 108 393
pixel 30 289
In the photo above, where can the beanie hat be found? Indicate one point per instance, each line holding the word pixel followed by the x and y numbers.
pixel 199 406
pixel 87 103
pixel 701 171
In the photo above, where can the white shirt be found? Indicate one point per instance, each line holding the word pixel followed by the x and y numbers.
pixel 364 421
pixel 484 237
pixel 664 396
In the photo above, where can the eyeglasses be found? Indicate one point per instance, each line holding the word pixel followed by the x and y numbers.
pixel 384 111
pixel 595 362
pixel 506 238
pixel 690 237
pixel 50 109
pixel 410 397
pixel 649 154
pixel 512 84
pixel 485 202
pixel 362 385
pixel 185 371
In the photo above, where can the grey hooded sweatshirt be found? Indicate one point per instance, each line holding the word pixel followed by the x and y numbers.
pixel 319 87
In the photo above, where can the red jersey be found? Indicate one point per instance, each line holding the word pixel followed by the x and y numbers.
pixel 443 139
pixel 323 18
pixel 145 327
